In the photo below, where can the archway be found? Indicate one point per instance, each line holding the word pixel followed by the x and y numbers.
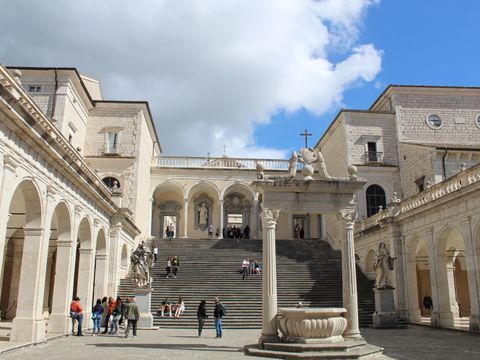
pixel 375 198
pixel 100 279
pixel 22 286
pixel 203 209
pixel 418 275
pixel 84 265
pixel 58 271
pixel 167 208
pixel 239 210
pixel 453 283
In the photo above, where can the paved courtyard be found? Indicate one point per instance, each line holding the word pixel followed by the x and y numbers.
pixel 412 343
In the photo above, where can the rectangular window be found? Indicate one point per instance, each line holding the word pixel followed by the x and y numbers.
pixel 372 151
pixel 34 89
pixel 420 182
pixel 112 142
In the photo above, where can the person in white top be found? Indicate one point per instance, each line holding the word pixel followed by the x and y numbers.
pixel 245 265
pixel 155 254
pixel 211 229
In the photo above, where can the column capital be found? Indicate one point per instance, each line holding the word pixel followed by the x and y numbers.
pixel 33 231
pixel 269 217
pixel 64 243
pixel 349 217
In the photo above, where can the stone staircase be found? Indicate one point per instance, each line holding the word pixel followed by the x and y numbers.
pixel 307 270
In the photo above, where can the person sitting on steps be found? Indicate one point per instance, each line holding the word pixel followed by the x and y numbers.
pixel 165 306
pixel 180 307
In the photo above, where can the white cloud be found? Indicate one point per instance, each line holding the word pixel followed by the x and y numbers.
pixel 211 69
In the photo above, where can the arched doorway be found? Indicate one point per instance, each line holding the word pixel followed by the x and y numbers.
pixel 239 209
pixel 101 273
pixel 22 294
pixel 375 197
pixel 453 283
pixel 167 205
pixel 418 275
pixel 203 209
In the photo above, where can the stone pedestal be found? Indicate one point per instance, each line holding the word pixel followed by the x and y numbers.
pixel 143 297
pixel 385 315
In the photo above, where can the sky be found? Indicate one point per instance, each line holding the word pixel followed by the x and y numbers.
pixel 246 77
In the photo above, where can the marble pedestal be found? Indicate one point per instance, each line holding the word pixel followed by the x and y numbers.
pixel 384 315
pixel 143 297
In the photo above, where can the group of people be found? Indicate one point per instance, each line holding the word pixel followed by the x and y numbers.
pixel 107 313
pixel 170 232
pixel 177 308
pixel 298 232
pixel 171 266
pixel 234 232
pixel 250 267
pixel 219 312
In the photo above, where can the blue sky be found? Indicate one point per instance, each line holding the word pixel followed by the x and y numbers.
pixel 231 74
pixel 424 42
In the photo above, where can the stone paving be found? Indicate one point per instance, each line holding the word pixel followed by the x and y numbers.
pixel 413 343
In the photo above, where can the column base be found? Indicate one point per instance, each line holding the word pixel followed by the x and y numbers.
pixel 28 330
pixel 474 324
pixel 268 338
pixel 143 298
pixel 59 324
pixel 353 335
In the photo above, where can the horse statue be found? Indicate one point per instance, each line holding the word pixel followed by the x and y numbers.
pixel 141 261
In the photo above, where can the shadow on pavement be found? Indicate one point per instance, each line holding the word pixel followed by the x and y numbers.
pixel 189 347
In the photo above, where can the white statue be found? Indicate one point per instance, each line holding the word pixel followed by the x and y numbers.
pixel 382 265
pixel 260 170
pixel 141 261
pixel 292 165
pixel 202 214
pixel 313 160
pixel 353 172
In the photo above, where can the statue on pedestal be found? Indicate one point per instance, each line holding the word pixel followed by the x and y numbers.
pixel 313 160
pixel 292 165
pixel 383 264
pixel 141 261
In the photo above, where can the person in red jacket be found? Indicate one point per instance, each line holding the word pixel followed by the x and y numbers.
pixel 76 312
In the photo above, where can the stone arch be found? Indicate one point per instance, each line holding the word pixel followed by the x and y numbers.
pixel 21 295
pixel 418 277
pixel 375 197
pixel 452 283
pixel 238 186
pixel 84 263
pixel 100 267
pixel 167 204
pixel 238 204
pixel 203 208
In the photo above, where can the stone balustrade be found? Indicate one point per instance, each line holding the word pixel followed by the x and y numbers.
pixel 312 325
pixel 220 162
pixel 455 183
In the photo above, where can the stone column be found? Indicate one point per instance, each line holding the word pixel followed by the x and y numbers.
pixel 150 218
pixel 414 314
pixel 185 219
pixel 254 227
pixel 59 320
pixel 15 279
pixel 101 273
pixel 85 281
pixel 28 325
pixel 220 231
pixel 114 256
pixel 269 277
pixel 349 277
pixel 48 276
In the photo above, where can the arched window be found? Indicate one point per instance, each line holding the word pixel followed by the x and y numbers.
pixel 375 199
pixel 110 181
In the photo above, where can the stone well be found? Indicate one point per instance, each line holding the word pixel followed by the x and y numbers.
pixel 312 325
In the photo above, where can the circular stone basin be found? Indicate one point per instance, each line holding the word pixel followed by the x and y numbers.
pixel 312 325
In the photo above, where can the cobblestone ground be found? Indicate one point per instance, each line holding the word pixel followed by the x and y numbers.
pixel 412 343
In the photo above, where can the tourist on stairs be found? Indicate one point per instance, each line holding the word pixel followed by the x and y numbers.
pixel 175 266
pixel 180 307
pixel 166 306
pixel 168 266
pixel 218 313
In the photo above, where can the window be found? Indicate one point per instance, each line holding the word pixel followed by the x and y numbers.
pixel 375 198
pixel 434 121
pixel 111 182
pixel 112 142
pixel 420 182
pixel 34 89
pixel 372 155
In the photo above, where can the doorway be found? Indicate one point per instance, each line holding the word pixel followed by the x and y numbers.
pixel 171 222
pixel 301 227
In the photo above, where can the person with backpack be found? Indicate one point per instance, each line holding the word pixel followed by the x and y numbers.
pixel 218 313
pixel 201 316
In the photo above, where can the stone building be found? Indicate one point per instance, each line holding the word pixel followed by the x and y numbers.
pixel 83 180
pixel 419 144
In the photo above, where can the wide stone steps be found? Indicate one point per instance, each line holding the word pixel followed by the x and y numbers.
pixel 307 271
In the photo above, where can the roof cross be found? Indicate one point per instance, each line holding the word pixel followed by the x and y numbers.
pixel 306 134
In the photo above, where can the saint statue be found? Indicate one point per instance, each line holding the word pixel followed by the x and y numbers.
pixel 382 265
pixel 141 261
pixel 292 165
pixel 202 215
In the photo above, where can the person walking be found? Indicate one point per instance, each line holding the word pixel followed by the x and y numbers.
pixel 201 316
pixel 175 266
pixel 110 308
pixel 168 266
pixel 97 312
pixel 116 314
pixel 246 232
pixel 211 229
pixel 76 312
pixel 105 310
pixel 132 317
pixel 155 254
pixel 245 265
pixel 218 313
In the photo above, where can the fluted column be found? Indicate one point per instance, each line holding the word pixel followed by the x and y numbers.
pixel 220 231
pixel 150 218
pixel 185 218
pixel 269 277
pixel 254 227
pixel 349 277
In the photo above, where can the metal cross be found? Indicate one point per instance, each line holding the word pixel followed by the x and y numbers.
pixel 306 134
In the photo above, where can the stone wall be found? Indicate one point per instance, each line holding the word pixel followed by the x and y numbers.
pixel 417 161
pixel 334 150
